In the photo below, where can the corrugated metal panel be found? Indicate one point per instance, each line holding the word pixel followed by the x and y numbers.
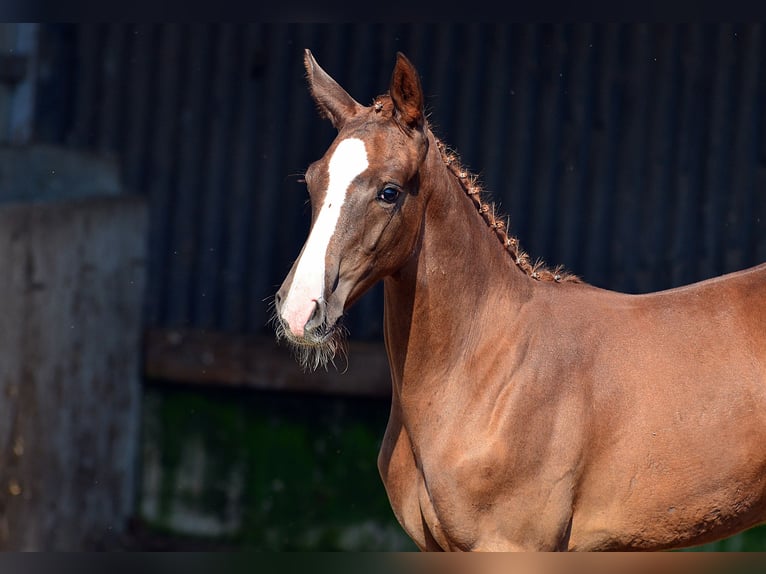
pixel 632 154
pixel 18 63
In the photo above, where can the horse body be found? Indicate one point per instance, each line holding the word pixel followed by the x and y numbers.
pixel 530 411
pixel 637 438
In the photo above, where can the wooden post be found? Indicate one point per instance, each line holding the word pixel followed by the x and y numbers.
pixel 71 296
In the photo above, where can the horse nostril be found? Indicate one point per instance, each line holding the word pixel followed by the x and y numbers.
pixel 317 315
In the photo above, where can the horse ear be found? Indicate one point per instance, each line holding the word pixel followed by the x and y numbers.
pixel 333 102
pixel 406 93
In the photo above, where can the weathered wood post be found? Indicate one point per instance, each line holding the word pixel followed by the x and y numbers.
pixel 72 274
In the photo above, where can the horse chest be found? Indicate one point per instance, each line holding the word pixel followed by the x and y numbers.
pixel 430 513
pixel 420 495
pixel 459 498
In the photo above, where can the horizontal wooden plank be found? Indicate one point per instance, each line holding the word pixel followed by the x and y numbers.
pixel 190 356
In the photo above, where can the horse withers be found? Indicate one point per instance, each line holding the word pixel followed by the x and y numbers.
pixel 530 410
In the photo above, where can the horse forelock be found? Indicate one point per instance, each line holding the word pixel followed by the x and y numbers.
pixel 384 108
pixel 384 105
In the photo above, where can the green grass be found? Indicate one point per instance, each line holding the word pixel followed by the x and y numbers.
pixel 299 471
pixel 752 540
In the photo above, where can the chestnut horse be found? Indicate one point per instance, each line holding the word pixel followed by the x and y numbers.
pixel 530 410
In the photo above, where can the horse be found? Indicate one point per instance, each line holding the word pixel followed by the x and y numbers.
pixel 530 410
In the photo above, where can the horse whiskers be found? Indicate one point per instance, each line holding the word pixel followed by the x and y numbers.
pixel 317 350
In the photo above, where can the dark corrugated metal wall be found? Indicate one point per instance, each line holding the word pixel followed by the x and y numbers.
pixel 633 154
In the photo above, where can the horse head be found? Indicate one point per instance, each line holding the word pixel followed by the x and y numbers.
pixel 366 208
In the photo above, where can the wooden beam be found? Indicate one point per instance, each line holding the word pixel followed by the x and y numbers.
pixel 190 356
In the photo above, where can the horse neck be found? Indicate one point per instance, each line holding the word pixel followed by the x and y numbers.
pixel 459 277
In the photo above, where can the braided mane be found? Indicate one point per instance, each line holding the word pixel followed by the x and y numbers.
pixel 469 183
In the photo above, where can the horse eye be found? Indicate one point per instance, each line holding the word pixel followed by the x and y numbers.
pixel 388 194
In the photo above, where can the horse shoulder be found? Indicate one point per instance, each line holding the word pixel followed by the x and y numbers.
pixel 502 464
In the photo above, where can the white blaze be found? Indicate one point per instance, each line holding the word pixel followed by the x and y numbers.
pixel 348 160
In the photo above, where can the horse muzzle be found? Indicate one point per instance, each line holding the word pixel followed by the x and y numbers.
pixel 308 321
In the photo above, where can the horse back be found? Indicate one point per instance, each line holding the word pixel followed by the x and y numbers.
pixel 677 387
